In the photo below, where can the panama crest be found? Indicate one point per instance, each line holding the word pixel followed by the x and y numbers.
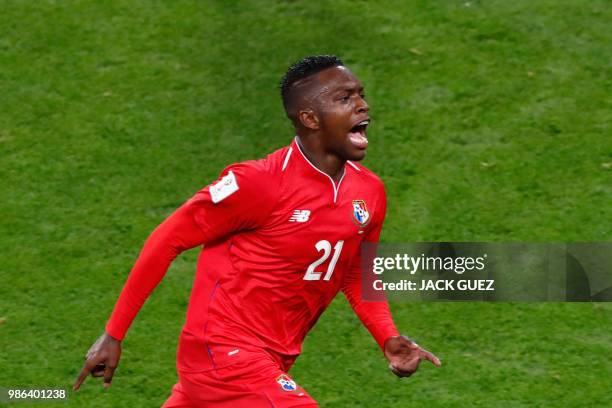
pixel 286 383
pixel 361 216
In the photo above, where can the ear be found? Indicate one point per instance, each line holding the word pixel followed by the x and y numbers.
pixel 309 119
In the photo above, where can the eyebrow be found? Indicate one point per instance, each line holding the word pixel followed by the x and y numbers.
pixel 348 89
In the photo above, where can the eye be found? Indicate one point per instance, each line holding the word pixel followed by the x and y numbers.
pixel 344 98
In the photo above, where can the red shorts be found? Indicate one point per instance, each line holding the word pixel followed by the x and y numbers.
pixel 256 382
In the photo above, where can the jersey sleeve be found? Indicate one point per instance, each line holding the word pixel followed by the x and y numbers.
pixel 375 315
pixel 176 234
pixel 240 200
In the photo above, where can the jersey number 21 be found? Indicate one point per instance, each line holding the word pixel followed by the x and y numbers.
pixel 326 247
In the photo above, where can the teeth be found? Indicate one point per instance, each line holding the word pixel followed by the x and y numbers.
pixel 365 122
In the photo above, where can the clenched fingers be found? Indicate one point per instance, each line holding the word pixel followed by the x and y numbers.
pixel 98 370
pixel 108 376
pixel 406 372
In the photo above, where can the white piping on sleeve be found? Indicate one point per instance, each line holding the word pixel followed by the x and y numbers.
pixel 287 158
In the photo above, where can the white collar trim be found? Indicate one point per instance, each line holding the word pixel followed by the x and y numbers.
pixel 336 187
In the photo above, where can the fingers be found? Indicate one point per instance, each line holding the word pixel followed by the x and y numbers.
pixel 101 360
pixel 98 370
pixel 87 367
pixel 426 355
pixel 108 376
pixel 399 373
pixel 94 367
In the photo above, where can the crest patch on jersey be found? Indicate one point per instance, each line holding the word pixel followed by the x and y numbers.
pixel 361 216
pixel 286 383
pixel 223 188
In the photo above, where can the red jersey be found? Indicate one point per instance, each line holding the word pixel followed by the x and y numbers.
pixel 281 240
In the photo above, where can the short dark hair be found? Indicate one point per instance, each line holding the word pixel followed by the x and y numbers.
pixel 303 69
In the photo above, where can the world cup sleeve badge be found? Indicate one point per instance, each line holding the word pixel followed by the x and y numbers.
pixel 361 216
pixel 286 383
pixel 223 188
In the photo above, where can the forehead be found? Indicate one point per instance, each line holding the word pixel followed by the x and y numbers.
pixel 337 78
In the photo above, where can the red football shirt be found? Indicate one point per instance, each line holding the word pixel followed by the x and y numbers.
pixel 281 240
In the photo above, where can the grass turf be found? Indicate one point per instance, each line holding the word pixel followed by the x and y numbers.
pixel 491 122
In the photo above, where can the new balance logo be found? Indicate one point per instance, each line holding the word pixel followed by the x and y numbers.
pixel 300 216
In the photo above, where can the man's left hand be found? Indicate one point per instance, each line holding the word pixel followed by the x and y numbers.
pixel 404 356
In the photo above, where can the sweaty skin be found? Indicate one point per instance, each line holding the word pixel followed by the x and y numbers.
pixel 330 105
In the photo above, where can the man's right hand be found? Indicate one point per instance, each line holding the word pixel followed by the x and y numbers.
pixel 101 360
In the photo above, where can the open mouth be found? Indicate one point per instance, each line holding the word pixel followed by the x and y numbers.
pixel 357 134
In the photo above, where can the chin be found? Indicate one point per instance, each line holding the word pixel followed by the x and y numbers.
pixel 356 155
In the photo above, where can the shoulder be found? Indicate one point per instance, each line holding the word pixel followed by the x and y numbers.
pixel 367 177
pixel 253 178
pixel 265 170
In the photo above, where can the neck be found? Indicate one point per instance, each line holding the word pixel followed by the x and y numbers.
pixel 328 163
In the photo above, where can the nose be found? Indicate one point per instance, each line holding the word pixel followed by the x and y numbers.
pixel 362 105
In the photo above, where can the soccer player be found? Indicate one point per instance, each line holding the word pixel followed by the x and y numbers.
pixel 281 238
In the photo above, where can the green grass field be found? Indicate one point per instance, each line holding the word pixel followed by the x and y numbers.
pixel 492 122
